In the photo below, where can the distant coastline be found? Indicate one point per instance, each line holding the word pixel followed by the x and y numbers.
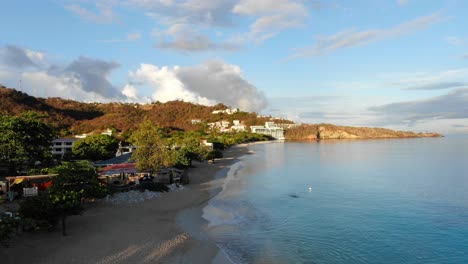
pixel 329 131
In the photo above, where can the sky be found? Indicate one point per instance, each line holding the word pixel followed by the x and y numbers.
pixel 399 64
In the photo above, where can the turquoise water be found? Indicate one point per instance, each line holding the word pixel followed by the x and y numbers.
pixel 374 201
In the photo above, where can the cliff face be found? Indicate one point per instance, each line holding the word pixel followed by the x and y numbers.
pixel 327 131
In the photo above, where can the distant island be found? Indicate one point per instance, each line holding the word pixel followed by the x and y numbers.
pixel 73 118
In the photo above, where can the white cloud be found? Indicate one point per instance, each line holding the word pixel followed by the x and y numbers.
pixel 131 92
pixel 209 83
pixel 82 79
pixel 272 17
pixel 352 37
pixel 166 85
pixel 203 18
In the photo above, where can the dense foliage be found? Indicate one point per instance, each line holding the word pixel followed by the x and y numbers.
pixel 95 147
pixel 152 151
pixel 48 209
pixel 71 117
pixel 75 182
pixel 24 141
pixel 80 177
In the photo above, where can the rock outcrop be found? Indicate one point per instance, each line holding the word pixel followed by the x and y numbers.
pixel 327 131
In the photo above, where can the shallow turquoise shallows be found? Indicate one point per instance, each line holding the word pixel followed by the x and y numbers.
pixel 369 201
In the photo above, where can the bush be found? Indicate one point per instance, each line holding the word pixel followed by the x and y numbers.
pixel 38 211
pixel 7 226
pixel 214 154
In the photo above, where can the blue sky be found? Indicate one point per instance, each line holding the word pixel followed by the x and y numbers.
pixel 400 64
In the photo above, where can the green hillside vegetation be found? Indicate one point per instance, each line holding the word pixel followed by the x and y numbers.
pixel 72 117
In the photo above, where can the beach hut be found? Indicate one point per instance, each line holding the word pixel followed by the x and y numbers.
pixel 30 184
pixel 124 168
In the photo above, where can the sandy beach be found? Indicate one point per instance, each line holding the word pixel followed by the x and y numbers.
pixel 166 229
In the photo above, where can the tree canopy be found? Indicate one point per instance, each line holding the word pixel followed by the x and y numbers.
pixel 24 140
pixel 95 147
pixel 152 151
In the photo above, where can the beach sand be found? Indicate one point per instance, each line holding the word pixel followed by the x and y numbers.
pixel 166 229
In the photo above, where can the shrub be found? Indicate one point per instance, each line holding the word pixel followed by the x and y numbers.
pixel 7 226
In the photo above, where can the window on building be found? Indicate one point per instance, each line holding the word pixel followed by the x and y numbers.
pixel 58 149
pixel 68 143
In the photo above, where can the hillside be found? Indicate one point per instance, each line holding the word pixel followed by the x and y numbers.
pixel 72 117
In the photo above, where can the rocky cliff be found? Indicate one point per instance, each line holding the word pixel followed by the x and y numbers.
pixel 327 131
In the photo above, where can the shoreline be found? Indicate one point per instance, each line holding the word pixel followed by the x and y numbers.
pixel 166 229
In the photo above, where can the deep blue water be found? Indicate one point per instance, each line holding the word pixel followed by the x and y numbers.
pixel 371 201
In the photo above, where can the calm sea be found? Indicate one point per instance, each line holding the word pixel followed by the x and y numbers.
pixel 369 201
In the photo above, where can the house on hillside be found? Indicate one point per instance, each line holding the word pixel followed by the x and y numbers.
pixel 221 126
pixel 61 146
pixel 124 148
pixel 228 111
pixel 269 129
pixel 237 126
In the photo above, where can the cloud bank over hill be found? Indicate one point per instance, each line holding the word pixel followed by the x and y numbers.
pixel 209 83
pixel 88 79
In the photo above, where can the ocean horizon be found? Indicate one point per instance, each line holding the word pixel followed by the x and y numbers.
pixel 348 201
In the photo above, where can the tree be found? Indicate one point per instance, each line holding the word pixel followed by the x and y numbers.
pixel 51 207
pixel 152 151
pixel 80 177
pixel 64 204
pixel 95 147
pixel 24 140
pixel 188 149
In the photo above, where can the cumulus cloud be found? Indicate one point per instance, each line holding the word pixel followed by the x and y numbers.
pixel 209 83
pixel 352 38
pixel 453 105
pixel 17 57
pixel 82 79
pixel 93 75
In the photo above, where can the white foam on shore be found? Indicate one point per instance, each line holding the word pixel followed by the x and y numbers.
pixel 225 212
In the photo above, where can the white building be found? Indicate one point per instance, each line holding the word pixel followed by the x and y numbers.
pixel 228 111
pixel 82 136
pixel 60 146
pixel 222 126
pixel 107 132
pixel 196 121
pixel 237 126
pixel 205 143
pixel 269 129
pixel 124 149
